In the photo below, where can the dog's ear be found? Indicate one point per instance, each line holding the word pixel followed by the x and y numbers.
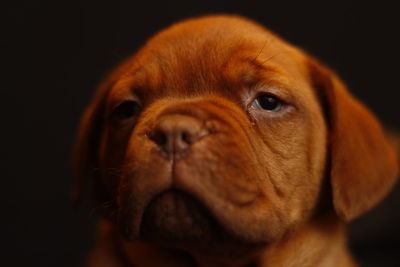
pixel 88 143
pixel 363 165
pixel 86 151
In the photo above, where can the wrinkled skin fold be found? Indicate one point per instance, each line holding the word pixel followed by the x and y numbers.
pixel 194 172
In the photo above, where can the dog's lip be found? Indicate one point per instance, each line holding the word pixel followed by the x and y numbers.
pixel 177 177
pixel 178 208
pixel 182 180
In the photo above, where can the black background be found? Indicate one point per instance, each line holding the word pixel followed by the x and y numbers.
pixel 54 53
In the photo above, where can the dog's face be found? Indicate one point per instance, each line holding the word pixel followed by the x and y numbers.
pixel 218 132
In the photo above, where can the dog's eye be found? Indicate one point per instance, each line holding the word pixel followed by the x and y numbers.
pixel 268 102
pixel 126 110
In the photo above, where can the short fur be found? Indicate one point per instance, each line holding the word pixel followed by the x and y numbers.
pixel 245 187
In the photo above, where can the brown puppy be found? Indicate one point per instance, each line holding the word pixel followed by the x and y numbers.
pixel 219 144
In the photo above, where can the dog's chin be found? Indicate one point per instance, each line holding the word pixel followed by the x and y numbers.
pixel 175 217
pixel 178 220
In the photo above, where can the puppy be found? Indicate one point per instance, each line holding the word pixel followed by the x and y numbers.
pixel 220 144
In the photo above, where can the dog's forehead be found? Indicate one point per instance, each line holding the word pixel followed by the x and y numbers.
pixel 209 54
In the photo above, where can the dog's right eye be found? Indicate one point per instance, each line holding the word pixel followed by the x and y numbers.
pixel 269 103
pixel 126 110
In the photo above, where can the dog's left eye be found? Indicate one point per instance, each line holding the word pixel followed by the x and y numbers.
pixel 126 110
pixel 268 102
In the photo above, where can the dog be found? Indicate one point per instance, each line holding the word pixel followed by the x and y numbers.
pixel 220 144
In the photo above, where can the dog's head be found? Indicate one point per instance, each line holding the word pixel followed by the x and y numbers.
pixel 219 131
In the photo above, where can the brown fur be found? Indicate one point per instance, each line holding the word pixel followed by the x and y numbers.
pixel 255 188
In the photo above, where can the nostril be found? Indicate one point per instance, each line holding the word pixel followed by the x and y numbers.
pixel 159 137
pixel 185 136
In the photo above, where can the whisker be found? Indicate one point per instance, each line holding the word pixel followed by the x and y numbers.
pixel 271 57
pixel 103 206
pixel 262 48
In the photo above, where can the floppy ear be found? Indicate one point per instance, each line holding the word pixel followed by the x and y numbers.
pixel 363 164
pixel 87 144
pixel 85 160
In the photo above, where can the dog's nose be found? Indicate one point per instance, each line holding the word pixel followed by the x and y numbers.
pixel 174 134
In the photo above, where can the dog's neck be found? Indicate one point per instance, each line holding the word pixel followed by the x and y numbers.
pixel 318 244
pixel 322 243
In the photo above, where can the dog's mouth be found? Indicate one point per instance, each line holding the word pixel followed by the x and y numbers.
pixel 191 205
pixel 177 217
pixel 203 199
